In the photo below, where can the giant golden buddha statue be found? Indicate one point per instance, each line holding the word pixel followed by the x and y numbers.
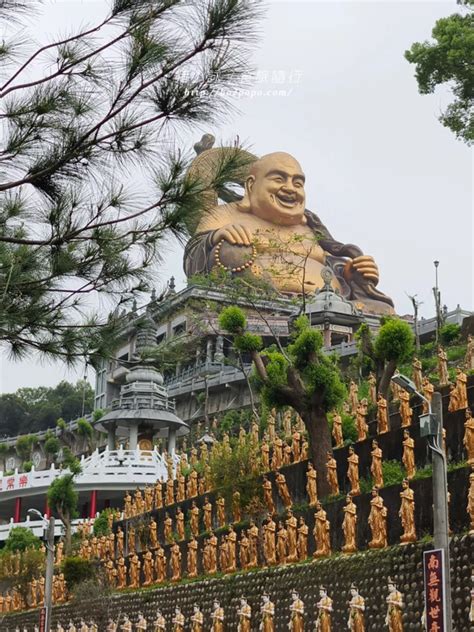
pixel 270 234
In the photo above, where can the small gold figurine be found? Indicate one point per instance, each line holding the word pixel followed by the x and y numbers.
pixel 405 410
pixel 468 439
pixel 178 620
pixel 353 396
pixel 302 543
pixel 175 563
pixel 372 380
pixel 282 544
pixel 197 619
pixel 192 557
pixel 268 495
pixel 417 374
pixel 377 521
pixel 442 366
pixel 428 390
pixel 407 513
pixel 217 617
pixel 356 621
pixel 283 491
pixel 383 424
pixel 470 500
pixel 220 503
pixel 394 617
pixel 337 430
pixel 292 530
pixel 244 612
pixel 353 472
pixel 311 485
pixel 331 467
pixel 159 623
pixel 322 532
pixel 268 612
pixel 269 529
pixel 376 468
pixel 361 421
pixel 349 526
pixel 324 606
pixel 296 623
pixel 408 458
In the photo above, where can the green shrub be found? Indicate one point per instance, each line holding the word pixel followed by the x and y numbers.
pixel 77 570
pixel 456 353
pixel 61 424
pixel 349 430
pixel 27 466
pixel 393 473
pixel 51 446
pixel 97 414
pixel 425 472
pixel 24 445
pixel 84 428
pixel 449 333
pixel 21 539
pixel 101 523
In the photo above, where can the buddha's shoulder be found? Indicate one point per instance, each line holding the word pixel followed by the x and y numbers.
pixel 218 216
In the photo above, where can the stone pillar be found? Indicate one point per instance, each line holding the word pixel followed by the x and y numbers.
pixel 209 351
pixel 327 337
pixel 171 441
pixel 17 514
pixel 219 354
pixel 93 504
pixel 111 438
pixel 133 437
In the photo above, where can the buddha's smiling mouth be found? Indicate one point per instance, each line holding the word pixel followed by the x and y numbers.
pixel 286 200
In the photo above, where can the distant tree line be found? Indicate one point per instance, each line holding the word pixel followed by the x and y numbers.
pixel 33 409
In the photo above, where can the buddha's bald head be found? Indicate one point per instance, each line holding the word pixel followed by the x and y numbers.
pixel 275 189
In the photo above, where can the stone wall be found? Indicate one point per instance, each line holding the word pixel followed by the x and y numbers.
pixel 369 570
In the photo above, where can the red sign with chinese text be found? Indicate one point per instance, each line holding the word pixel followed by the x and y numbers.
pixel 42 621
pixel 435 607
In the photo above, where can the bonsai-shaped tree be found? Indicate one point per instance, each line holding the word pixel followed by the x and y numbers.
pixel 300 376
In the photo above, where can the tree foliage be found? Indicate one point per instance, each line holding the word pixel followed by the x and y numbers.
pixel 393 345
pixel 300 376
pixel 35 409
pixel 449 59
pixel 21 539
pixel 73 222
pixel 62 499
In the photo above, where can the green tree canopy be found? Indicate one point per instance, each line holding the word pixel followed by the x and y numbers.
pixel 298 375
pixel 74 223
pixel 449 59
pixel 62 499
pixel 21 539
pixel 35 409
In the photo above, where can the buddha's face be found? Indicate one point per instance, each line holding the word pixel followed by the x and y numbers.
pixel 275 189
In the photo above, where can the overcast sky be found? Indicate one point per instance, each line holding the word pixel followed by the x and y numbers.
pixel 381 171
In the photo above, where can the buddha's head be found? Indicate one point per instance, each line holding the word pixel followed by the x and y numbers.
pixel 274 189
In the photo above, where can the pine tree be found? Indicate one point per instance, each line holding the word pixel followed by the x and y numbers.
pixel 73 136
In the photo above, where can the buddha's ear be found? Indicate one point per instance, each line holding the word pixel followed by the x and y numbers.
pixel 244 205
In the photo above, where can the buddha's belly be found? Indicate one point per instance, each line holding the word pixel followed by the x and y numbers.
pixel 289 273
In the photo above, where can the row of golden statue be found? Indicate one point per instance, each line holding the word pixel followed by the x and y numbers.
pixel 297 616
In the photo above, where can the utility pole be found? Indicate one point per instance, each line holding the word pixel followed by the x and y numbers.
pixel 440 500
pixel 437 297
pixel 48 583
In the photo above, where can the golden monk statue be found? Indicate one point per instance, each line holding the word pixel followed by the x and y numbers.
pixel 126 625
pixel 160 565
pixel 408 458
pixel 121 573
pixel 220 503
pixel 361 421
pixel 442 366
pixel 134 572
pixel 244 612
pixel 148 568
pixel 269 529
pixel 181 488
pixel 159 494
pixel 268 495
pixel 192 557
pixel 302 542
pixel 282 544
pixel 353 397
pixel 428 390
pixel 372 380
pixel 283 491
pixel 407 513
pixel 265 454
pixel 253 535
pixel 168 528
pixel 331 467
pixel 244 553
pixel 383 424
pixel 169 499
pixel 311 485
pixel 194 519
pixel 292 529
pixel 131 541
pixel 296 623
pixel 376 468
pixel 178 620
pixel 461 387
pixel 268 612
pixel 231 550
pixel 217 617
pixel 349 526
pixel 377 521
pixel 417 374
pixel 159 624
pixel 394 616
pixel 468 439
pixel 321 532
pixel 324 606
pixel 277 456
pixel 197 619
pixel 207 514
pixel 212 553
pixel 337 430
pixel 175 563
pixel 236 508
pixel 405 410
pixel 353 471
pixel 152 534
pixel 470 501
pixel 356 621
pixel 241 235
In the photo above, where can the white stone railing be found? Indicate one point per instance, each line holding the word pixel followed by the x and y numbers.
pixel 127 467
pixel 37 527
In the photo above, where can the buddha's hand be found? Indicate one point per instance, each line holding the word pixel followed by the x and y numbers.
pixel 235 234
pixel 363 265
